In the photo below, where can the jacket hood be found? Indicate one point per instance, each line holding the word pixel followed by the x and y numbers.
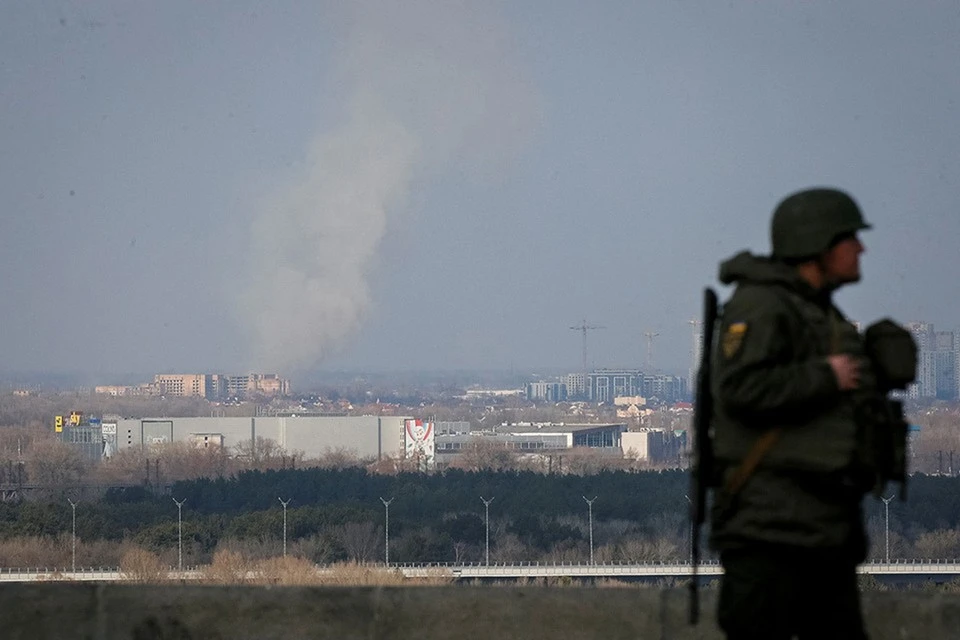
pixel 745 267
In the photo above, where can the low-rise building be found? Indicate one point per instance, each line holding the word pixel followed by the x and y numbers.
pixel 533 438
pixel 654 445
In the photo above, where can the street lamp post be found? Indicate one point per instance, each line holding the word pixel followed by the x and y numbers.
pixel 590 511
pixel 284 524
pixel 486 508
pixel 73 553
pixel 179 534
pixel 886 525
pixel 386 530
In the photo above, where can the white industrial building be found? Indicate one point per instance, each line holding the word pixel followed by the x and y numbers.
pixel 363 436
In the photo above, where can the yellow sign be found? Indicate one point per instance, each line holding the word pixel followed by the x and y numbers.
pixel 75 417
pixel 58 424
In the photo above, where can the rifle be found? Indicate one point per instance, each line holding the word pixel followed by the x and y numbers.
pixel 702 462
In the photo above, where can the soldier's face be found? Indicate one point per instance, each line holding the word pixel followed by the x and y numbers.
pixel 841 263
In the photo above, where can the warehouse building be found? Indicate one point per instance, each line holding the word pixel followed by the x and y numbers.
pixel 370 437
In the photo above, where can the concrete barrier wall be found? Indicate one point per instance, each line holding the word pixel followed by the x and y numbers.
pixel 193 612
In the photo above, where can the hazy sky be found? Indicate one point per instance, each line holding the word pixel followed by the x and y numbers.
pixel 305 186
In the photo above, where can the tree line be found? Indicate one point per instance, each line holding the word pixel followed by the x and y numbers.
pixel 337 515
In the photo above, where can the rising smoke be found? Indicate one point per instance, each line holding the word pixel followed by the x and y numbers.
pixel 432 85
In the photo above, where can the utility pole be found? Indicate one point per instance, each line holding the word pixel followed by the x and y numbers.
pixel 284 524
pixel 583 328
pixel 386 530
pixel 886 525
pixel 180 535
pixel 650 335
pixel 73 561
pixel 590 511
pixel 486 506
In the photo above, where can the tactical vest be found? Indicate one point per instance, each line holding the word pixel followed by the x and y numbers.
pixel 824 439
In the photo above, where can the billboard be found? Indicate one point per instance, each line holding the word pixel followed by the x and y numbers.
pixel 419 442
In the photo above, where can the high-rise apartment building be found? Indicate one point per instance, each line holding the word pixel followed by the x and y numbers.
pixel 547 391
pixel 938 363
pixel 664 388
pixel 923 333
pixel 182 385
pixel 607 384
pixel 216 386
pixel 576 384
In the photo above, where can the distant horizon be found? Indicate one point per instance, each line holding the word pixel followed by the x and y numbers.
pixel 78 379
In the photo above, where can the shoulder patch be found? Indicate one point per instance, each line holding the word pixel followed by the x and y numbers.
pixel 733 339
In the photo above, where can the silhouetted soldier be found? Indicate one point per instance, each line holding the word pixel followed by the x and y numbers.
pixel 801 427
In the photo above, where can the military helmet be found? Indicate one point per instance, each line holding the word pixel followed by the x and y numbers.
pixel 806 223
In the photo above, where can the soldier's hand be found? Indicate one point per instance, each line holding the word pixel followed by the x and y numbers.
pixel 846 369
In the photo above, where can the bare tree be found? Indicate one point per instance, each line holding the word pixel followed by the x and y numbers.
pixel 483 455
pixel 228 567
pixel 187 461
pixel 168 462
pixel 937 545
pixel 339 458
pixel 360 540
pixel 386 465
pixel 321 549
pixel 125 467
pixel 140 565
pixel 642 550
pixel 509 548
pixel 54 465
pixel 460 551
pixel 586 461
pixel 262 453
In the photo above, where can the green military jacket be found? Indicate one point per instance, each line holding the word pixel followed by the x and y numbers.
pixel 770 372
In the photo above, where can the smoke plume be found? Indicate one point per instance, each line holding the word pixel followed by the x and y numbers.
pixel 430 86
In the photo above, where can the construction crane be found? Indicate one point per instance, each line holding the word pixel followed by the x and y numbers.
pixel 583 328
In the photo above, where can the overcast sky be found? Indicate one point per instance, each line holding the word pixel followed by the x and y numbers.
pixel 303 186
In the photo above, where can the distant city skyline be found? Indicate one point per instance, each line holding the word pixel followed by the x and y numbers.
pixel 925 334
pixel 938 373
